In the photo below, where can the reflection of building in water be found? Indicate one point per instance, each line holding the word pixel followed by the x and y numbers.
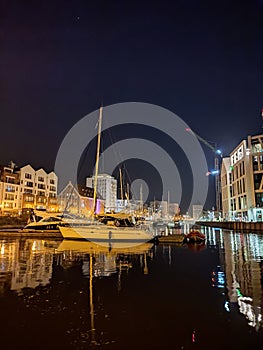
pixel 243 253
pixel 25 263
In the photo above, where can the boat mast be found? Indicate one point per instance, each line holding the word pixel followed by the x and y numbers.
pixel 168 204
pixel 141 201
pixel 121 184
pixel 97 162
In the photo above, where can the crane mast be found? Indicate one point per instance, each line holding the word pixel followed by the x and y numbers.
pixel 217 156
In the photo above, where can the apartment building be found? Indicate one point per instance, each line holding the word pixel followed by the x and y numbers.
pixel 25 188
pixel 107 187
pixel 242 181
pixel 9 188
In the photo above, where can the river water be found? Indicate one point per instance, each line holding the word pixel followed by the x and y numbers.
pixel 77 295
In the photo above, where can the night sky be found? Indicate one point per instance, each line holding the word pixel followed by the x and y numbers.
pixel 60 60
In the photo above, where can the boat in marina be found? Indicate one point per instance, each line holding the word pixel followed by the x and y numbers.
pixel 98 232
pixel 107 227
pixel 41 221
pixel 195 236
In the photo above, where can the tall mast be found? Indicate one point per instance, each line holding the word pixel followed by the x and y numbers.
pixel 121 184
pixel 168 203
pixel 97 162
pixel 141 202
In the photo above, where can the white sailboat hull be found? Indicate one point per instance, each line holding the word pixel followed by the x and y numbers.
pixel 106 233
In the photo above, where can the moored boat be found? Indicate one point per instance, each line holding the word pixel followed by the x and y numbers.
pixel 50 222
pixel 98 232
pixel 195 236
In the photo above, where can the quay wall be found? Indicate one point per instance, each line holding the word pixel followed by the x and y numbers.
pixel 234 225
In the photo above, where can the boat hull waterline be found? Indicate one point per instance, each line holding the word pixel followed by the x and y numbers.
pixel 98 233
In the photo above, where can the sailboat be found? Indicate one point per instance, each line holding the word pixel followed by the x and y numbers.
pixel 97 231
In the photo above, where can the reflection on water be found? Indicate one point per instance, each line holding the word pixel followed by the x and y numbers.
pixel 141 296
pixel 25 263
pixel 241 257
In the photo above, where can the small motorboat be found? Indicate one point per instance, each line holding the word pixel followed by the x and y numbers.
pixel 195 236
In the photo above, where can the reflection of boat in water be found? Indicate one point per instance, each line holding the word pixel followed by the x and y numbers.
pixel 195 236
pixel 100 261
pixel 91 247
pixel 196 246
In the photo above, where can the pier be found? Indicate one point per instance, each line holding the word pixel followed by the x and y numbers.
pixel 234 225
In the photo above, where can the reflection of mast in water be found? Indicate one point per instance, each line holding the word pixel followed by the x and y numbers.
pixel 145 270
pixel 92 323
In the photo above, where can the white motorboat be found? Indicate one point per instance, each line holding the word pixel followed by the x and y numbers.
pixel 41 221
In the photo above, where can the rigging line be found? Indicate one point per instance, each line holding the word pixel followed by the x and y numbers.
pixel 112 141
pixel 130 182
pixel 118 155
pixel 80 169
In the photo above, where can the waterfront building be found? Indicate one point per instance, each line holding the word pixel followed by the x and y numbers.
pixel 242 181
pixel 27 188
pixel 9 189
pixel 226 188
pixel 38 189
pixel 107 187
pixel 79 200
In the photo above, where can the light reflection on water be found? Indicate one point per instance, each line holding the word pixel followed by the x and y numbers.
pixel 99 296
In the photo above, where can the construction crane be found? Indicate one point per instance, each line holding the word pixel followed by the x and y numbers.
pixel 216 172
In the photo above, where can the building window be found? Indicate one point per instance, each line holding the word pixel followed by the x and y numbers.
pixel 257 181
pixel 52 181
pixel 255 163
pixel 28 183
pixel 41 186
pixel 9 197
pixel 28 176
pixel 41 200
pixel 10 189
pixel 259 199
pixel 41 179
pixel 256 147
pixel 8 205
pixel 41 193
pixel 29 199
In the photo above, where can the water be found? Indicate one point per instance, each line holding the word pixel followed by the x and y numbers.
pixel 64 295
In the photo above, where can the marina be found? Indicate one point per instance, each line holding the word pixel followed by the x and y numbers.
pixel 78 294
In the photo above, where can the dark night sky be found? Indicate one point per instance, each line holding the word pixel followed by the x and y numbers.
pixel 202 60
